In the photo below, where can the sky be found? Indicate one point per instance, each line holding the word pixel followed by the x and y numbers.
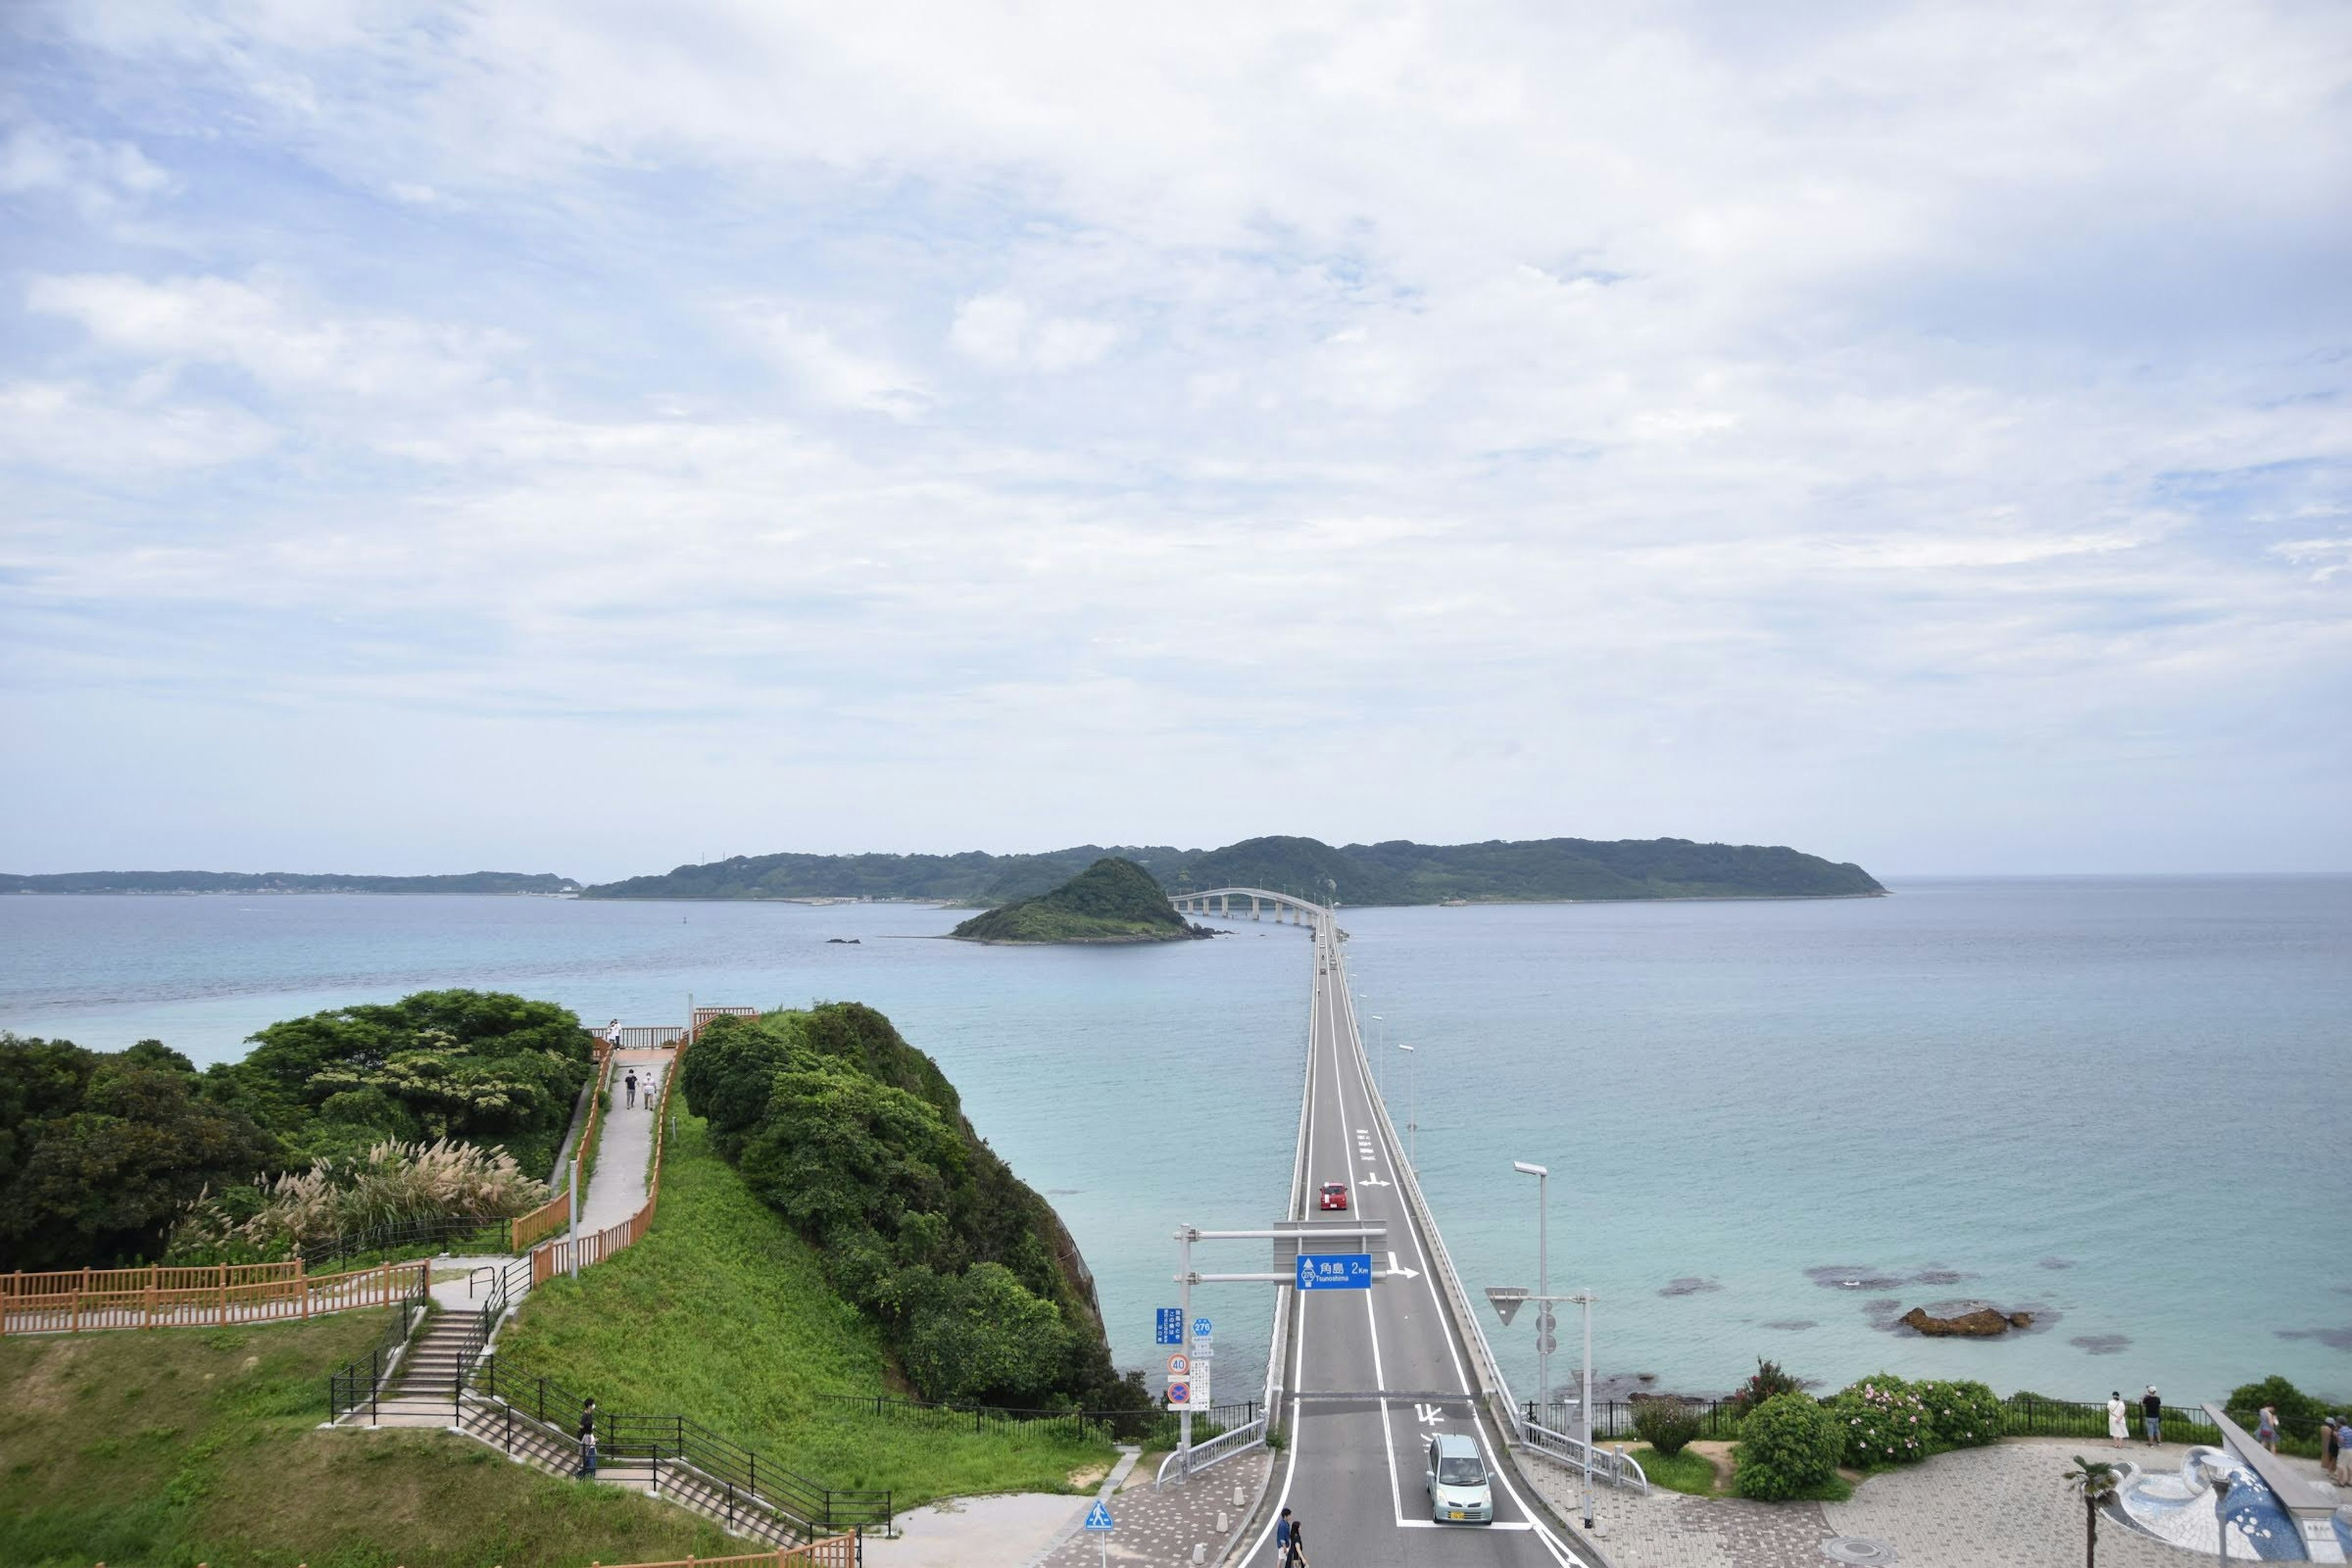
pixel 583 436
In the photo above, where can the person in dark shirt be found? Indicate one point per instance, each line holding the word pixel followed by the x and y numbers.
pixel 2151 1413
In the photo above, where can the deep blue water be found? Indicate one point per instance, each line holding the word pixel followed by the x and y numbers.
pixel 2125 1102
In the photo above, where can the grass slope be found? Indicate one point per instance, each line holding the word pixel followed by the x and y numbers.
pixel 724 1315
pixel 176 1446
pixel 1110 901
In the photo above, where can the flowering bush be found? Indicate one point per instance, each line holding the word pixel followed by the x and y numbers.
pixel 1962 1415
pixel 1883 1421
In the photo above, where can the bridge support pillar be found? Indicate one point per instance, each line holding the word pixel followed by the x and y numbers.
pixel 1254 914
pixel 1225 908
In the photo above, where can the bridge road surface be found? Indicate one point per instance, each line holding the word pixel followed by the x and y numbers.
pixel 1353 1471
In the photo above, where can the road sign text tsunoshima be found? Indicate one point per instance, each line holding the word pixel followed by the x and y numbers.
pixel 1335 1271
pixel 1168 1326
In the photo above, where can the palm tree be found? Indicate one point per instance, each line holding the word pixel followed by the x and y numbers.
pixel 2095 1481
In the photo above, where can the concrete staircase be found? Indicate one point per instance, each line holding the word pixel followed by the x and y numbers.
pixel 421 1389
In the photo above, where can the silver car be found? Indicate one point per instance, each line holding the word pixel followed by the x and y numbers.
pixel 1458 1488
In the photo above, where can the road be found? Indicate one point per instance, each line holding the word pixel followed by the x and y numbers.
pixel 1353 1472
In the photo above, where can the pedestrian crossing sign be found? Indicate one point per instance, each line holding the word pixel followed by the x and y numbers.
pixel 1098 1516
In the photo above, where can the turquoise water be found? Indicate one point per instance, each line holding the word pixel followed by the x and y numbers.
pixel 2124 1102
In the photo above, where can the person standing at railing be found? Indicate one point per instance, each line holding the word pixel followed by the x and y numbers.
pixel 2151 1414
pixel 2119 1418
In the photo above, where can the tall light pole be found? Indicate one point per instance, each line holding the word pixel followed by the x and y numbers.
pixel 1413 1114
pixel 1543 1281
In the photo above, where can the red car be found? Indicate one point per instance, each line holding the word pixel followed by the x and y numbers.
pixel 1335 1194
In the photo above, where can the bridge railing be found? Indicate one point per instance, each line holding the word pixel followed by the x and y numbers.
pixel 1617 1469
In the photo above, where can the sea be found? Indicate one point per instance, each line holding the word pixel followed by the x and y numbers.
pixel 2123 1105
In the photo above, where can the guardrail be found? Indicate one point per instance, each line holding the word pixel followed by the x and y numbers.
pixel 1215 1452
pixel 833 1551
pixel 81 1300
pixel 736 1472
pixel 1617 1469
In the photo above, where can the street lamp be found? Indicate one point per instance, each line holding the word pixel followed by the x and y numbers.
pixel 1543 1282
pixel 1413 1111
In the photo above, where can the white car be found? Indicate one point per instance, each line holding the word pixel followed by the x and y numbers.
pixel 1458 1488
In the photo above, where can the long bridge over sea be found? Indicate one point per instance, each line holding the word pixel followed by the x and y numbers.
pixel 1361 1380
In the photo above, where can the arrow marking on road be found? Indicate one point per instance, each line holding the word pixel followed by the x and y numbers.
pixel 1396 1268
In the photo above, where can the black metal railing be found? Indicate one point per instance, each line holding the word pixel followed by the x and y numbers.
pixel 360 1382
pixel 1152 1426
pixel 2021 1415
pixel 490 1231
pixel 730 1469
pixel 506 1284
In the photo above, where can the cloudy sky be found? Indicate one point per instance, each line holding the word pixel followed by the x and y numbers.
pixel 587 436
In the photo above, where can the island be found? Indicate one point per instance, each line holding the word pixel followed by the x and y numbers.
pixel 1395 871
pixel 540 884
pixel 1112 900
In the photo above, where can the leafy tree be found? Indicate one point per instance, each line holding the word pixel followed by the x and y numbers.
pixel 482 1066
pixel 2299 1414
pixel 981 1336
pixel 99 1153
pixel 2095 1481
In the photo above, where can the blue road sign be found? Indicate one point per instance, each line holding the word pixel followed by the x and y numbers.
pixel 1199 1328
pixel 1098 1516
pixel 1335 1271
pixel 1168 1326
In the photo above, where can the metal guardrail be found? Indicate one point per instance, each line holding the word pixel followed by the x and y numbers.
pixel 1215 1451
pixel 1617 1469
pixel 674 1439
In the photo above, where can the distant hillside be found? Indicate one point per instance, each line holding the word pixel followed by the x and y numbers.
pixel 1395 872
pixel 282 882
pixel 1110 901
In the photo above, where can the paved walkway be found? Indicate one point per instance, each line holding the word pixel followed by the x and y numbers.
pixel 616 1188
pixel 2001 1507
pixel 1159 1527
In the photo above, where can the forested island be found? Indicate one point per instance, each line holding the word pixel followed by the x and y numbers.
pixel 543 884
pixel 1397 871
pixel 1112 900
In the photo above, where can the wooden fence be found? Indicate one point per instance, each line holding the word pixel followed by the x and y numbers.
pixel 73 1300
pixel 833 1551
pixel 527 1231
pixel 556 1256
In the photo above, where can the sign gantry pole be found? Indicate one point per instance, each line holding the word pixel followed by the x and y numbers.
pixel 1184 1305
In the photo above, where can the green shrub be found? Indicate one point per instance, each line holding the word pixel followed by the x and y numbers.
pixel 1880 1421
pixel 2299 1414
pixel 1963 1414
pixel 1667 1424
pixel 1787 1445
pixel 1766 1382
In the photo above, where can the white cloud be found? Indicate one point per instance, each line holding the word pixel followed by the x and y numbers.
pixel 828 371
pixel 102 180
pixel 263 328
pixel 82 429
pixel 1005 334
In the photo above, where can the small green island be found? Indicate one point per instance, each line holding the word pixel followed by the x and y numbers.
pixel 1112 900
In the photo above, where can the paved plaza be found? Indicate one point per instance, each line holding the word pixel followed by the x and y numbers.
pixel 2001 1507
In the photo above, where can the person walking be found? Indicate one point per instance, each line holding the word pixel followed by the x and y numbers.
pixel 2119 1418
pixel 587 1470
pixel 1294 1555
pixel 2151 1414
pixel 1282 1536
pixel 2329 1436
pixel 2266 1429
pixel 2344 1452
pixel 629 1081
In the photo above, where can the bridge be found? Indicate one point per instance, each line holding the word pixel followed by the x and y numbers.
pixel 1286 906
pixel 1361 1380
